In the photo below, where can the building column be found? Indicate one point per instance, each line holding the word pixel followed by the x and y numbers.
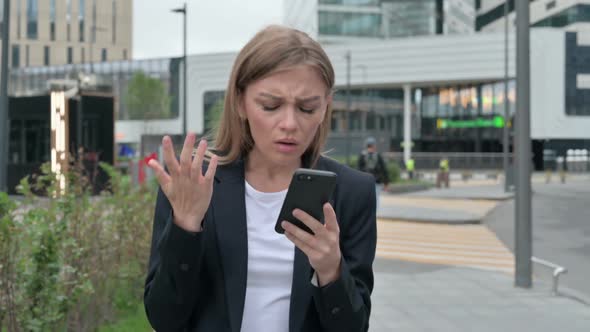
pixel 478 131
pixel 407 122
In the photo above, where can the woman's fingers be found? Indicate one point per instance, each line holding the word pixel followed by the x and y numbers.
pixel 186 154
pixel 169 157
pixel 211 169
pixel 330 218
pixel 161 175
pixel 309 221
pixel 197 164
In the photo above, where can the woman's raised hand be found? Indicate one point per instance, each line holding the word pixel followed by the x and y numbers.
pixel 186 187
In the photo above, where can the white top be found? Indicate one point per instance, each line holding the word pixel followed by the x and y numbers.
pixel 270 265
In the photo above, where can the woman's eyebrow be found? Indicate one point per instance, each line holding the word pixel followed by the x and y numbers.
pixel 308 99
pixel 299 100
pixel 268 95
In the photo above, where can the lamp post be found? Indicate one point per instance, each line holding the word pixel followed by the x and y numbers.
pixel 4 96
pixel 523 219
pixel 183 11
pixel 506 138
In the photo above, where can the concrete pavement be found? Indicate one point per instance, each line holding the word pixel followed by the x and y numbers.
pixel 410 297
pixel 435 206
pixel 434 272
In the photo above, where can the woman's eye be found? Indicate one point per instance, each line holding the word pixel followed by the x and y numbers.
pixel 305 110
pixel 269 108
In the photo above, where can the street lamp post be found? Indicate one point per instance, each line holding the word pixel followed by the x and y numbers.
pixel 523 228
pixel 506 138
pixel 183 11
pixel 4 96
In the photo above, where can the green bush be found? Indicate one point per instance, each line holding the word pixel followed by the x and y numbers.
pixel 70 261
pixel 394 172
pixel 392 167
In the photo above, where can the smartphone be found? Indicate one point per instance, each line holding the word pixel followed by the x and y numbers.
pixel 309 190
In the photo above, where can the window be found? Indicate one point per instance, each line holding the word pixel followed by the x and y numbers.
pixel 27 56
pixel 351 2
pixel 81 16
pixel 125 54
pixel 52 20
pixel 350 24
pixel 83 54
pixel 550 5
pixel 573 14
pixel 46 61
pixel 70 55
pixel 69 18
pixel 15 56
pixel 32 19
pixel 412 18
pixel 493 15
pixel 114 21
pixel 1 19
pixel 18 18
pixel 213 107
pixel 103 55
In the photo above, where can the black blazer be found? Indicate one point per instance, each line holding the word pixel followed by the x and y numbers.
pixel 197 282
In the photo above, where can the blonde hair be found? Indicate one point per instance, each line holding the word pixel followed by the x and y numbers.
pixel 271 49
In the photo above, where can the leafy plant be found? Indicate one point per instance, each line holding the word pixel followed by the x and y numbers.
pixel 70 260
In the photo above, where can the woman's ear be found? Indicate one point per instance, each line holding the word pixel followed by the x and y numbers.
pixel 241 107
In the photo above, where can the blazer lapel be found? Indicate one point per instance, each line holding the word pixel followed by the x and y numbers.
pixel 301 290
pixel 229 210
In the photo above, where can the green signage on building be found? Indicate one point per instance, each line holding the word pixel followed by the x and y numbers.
pixel 495 122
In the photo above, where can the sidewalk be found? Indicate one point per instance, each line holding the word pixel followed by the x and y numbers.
pixel 422 278
pixel 462 205
pixel 417 297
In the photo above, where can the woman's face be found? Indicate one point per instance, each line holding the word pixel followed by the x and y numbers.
pixel 285 110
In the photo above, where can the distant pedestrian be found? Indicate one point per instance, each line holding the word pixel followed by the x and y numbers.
pixel 410 167
pixel 371 161
pixel 561 168
pixel 442 178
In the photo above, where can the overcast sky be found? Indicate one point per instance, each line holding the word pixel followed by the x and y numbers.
pixel 212 25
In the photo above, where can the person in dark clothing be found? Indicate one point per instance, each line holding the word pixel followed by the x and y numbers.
pixel 216 262
pixel 371 161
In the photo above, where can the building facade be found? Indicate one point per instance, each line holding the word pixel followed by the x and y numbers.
pixel 569 15
pixel 456 99
pixel 348 20
pixel 58 32
pixel 450 87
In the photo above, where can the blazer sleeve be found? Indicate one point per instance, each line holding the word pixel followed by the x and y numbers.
pixel 175 266
pixel 345 304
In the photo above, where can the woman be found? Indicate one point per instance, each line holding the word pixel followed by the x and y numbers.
pixel 216 262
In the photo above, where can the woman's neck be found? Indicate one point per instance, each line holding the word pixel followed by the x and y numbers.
pixel 267 177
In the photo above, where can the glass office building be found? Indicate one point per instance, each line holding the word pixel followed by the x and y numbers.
pixel 159 77
pixel 455 118
pixel 394 18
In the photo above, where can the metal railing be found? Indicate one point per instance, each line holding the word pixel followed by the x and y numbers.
pixel 457 160
pixel 557 271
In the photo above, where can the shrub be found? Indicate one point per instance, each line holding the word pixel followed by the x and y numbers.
pixel 79 259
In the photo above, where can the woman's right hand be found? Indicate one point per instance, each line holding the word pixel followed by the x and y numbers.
pixel 185 186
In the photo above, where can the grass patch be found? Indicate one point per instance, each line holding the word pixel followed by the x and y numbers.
pixel 135 321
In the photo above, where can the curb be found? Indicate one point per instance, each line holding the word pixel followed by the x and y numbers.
pixel 407 188
pixel 430 221
pixel 471 197
pixel 574 295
